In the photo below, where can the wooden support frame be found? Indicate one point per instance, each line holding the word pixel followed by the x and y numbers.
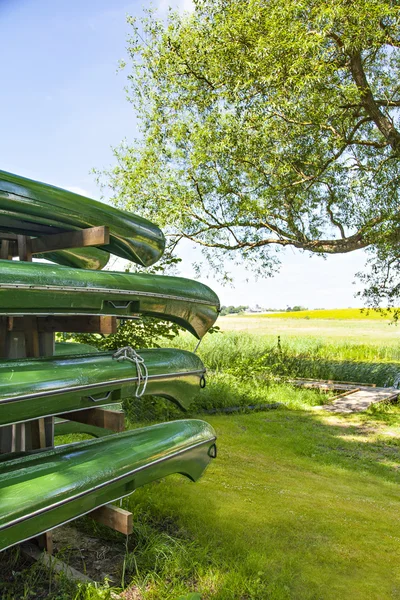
pixel 35 331
pixel 73 324
pixel 99 417
pixel 92 236
pixel 39 433
pixel 5 250
pixel 114 517
pixel 25 246
pixel 54 564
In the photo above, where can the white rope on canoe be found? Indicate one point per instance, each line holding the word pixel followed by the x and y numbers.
pixel 128 353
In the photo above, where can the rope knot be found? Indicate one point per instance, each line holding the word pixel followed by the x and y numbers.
pixel 128 353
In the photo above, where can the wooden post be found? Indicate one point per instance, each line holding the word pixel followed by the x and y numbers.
pixel 39 433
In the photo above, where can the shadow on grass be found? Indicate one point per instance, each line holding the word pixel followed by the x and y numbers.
pixel 296 506
pixel 354 441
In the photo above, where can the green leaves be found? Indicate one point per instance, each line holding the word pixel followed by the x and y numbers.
pixel 265 124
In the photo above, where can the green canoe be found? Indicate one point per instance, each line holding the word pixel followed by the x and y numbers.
pixel 34 388
pixel 44 289
pixel 33 208
pixel 80 258
pixel 42 490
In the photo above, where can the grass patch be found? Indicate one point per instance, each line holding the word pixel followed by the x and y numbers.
pixel 298 504
pixel 247 362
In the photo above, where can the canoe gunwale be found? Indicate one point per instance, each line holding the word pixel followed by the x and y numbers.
pixel 104 484
pixel 100 385
pixel 101 290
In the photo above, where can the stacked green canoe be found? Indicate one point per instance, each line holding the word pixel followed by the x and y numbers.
pixel 41 490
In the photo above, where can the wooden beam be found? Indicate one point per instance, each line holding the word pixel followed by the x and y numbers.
pixel 92 236
pixel 114 517
pixel 8 236
pixel 24 248
pixel 5 250
pixel 45 542
pixel 3 336
pixel 31 336
pixel 72 324
pixel 99 417
pixel 54 564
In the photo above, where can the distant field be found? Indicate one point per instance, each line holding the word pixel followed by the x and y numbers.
pixel 374 332
pixel 335 313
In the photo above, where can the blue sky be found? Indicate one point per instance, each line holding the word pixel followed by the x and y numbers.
pixel 63 107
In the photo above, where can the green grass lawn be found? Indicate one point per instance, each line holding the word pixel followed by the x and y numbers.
pixel 299 505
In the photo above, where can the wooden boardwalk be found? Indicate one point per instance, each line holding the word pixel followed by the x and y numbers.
pixel 353 397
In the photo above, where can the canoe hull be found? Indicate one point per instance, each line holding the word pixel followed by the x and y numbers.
pixel 35 388
pixel 40 289
pixel 56 486
pixel 33 208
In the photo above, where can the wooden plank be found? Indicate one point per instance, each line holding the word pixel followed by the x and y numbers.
pixel 8 236
pixel 31 336
pixel 92 236
pixel 99 417
pixel 360 400
pixel 72 324
pixel 323 386
pixel 24 248
pixel 5 251
pixel 346 393
pixel 3 336
pixel 53 564
pixel 302 380
pixel 114 517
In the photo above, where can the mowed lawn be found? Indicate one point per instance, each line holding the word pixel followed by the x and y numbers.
pixel 298 505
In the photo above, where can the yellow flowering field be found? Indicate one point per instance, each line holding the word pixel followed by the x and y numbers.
pixel 334 313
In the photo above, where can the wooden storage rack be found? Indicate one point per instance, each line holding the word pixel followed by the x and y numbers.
pixel 34 336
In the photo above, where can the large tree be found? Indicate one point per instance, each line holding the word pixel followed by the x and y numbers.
pixel 268 123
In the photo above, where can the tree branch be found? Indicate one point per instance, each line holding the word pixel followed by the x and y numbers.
pixel 384 124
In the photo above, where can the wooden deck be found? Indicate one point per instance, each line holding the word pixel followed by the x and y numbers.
pixel 353 397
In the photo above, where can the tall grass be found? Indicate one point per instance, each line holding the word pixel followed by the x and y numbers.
pixel 220 349
pixel 251 358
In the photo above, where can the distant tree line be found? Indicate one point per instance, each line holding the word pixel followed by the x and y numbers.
pixel 232 310
pixel 235 310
